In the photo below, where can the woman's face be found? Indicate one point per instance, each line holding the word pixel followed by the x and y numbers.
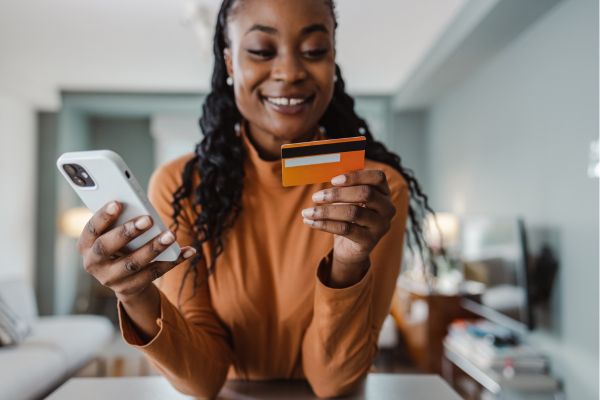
pixel 282 59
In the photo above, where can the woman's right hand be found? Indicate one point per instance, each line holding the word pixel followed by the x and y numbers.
pixel 128 275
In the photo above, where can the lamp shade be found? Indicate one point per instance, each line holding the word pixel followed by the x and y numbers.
pixel 73 221
pixel 444 233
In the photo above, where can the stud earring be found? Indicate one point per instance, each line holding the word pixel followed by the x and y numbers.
pixel 335 78
pixel 229 81
pixel 362 131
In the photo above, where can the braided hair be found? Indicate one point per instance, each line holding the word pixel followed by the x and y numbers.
pixel 219 157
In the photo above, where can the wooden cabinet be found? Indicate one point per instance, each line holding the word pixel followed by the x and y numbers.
pixel 423 320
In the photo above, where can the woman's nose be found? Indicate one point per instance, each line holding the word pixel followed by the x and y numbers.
pixel 288 68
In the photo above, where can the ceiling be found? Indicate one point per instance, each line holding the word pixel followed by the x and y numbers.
pixel 144 45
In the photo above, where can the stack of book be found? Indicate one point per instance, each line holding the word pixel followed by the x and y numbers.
pixel 495 350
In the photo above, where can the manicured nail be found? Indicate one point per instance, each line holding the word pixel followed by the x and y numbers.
pixel 319 196
pixel 190 251
pixel 308 212
pixel 166 238
pixel 143 222
pixel 339 180
pixel 112 208
pixel 308 221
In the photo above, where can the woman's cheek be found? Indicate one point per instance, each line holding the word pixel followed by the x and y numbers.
pixel 246 84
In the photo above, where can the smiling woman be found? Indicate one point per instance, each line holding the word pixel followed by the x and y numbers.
pixel 283 72
pixel 288 282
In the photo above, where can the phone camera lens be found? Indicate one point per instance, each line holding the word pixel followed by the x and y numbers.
pixel 70 169
pixel 78 181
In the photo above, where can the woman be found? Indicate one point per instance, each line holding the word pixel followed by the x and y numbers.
pixel 286 282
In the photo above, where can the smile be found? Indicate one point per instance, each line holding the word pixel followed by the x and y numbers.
pixel 288 105
pixel 285 101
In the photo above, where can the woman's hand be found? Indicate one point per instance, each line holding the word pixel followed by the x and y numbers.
pixel 358 210
pixel 128 275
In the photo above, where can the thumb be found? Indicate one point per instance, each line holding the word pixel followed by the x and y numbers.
pixel 186 253
pixel 162 267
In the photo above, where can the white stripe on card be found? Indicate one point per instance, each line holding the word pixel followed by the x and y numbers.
pixel 312 160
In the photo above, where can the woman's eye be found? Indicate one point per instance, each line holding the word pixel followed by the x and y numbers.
pixel 265 54
pixel 317 53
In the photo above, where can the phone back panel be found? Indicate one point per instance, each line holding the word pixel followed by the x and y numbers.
pixel 115 181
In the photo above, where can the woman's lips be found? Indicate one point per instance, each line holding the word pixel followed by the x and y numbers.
pixel 288 105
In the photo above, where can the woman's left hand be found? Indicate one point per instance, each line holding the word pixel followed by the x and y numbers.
pixel 358 210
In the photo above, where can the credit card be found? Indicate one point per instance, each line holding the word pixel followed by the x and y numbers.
pixel 319 161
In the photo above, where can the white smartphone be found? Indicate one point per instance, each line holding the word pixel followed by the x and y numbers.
pixel 101 176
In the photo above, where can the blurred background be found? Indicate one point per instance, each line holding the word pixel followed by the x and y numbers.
pixel 492 103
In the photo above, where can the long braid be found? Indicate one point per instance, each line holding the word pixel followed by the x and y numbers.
pixel 219 158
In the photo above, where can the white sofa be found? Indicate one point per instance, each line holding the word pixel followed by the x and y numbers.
pixel 56 348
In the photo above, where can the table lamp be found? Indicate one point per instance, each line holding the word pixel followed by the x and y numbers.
pixel 73 220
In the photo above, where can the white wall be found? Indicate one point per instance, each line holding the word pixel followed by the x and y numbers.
pixel 514 139
pixel 408 141
pixel 174 135
pixel 17 182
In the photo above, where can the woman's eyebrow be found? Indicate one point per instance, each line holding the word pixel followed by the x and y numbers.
pixel 272 31
pixel 314 28
pixel 262 28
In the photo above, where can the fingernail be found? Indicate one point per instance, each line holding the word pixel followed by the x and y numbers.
pixel 308 222
pixel 339 180
pixel 112 208
pixel 166 238
pixel 319 196
pixel 143 222
pixel 308 212
pixel 189 252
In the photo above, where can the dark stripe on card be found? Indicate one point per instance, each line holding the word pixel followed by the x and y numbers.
pixel 323 149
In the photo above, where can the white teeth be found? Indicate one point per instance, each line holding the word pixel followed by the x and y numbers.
pixel 285 101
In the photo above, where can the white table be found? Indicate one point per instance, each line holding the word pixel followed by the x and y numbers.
pixel 377 386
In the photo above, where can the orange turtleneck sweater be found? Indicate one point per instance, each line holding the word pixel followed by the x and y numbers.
pixel 264 313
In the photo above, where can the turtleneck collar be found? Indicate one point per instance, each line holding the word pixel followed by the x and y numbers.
pixel 267 173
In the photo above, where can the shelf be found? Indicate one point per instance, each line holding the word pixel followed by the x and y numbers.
pixel 496 384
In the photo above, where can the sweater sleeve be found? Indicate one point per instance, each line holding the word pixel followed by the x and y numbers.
pixel 192 348
pixel 341 340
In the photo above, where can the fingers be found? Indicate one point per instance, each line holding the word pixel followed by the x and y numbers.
pixel 358 207
pixel 97 225
pixel 130 273
pixel 158 269
pixel 373 177
pixel 111 242
pixel 138 281
pixel 361 194
pixel 356 233
pixel 137 260
pixel 343 212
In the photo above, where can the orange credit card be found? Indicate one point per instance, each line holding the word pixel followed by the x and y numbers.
pixel 319 161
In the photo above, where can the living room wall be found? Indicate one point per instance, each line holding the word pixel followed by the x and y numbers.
pixel 514 138
pixel 17 204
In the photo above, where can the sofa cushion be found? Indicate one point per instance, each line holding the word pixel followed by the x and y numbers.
pixel 30 371
pixel 77 337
